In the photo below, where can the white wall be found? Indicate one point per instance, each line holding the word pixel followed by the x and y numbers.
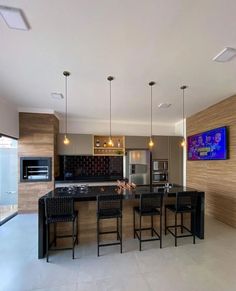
pixel 101 127
pixel 9 118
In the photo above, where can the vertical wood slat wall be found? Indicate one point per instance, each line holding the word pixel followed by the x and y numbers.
pixel 37 138
pixel 216 178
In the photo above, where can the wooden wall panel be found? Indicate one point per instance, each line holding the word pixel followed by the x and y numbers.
pixel 37 138
pixel 216 178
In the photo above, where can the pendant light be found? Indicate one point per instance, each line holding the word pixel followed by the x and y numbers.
pixel 183 142
pixel 151 143
pixel 110 141
pixel 66 140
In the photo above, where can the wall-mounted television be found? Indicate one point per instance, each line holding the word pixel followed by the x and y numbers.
pixel 208 145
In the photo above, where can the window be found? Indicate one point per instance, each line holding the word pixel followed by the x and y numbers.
pixel 8 178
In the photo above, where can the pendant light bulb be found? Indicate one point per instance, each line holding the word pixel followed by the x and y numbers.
pixel 66 140
pixel 110 142
pixel 151 143
pixel 183 143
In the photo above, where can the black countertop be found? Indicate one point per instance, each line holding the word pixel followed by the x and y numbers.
pixel 91 192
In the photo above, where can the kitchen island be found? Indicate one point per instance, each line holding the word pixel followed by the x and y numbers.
pixel 86 204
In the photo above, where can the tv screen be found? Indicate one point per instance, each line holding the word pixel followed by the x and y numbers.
pixel 208 145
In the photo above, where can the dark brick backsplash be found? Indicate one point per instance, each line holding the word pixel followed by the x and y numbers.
pixel 91 167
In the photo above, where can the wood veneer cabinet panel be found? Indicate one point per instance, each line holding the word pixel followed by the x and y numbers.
pixel 160 149
pixel 80 144
pixel 216 178
pixel 37 138
pixel 175 166
pixel 136 142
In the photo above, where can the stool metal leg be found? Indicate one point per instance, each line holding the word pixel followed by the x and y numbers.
pixel 140 233
pixel 73 240
pixel 55 234
pixel 121 235
pixel 194 226
pixel 165 220
pixel 182 222
pixel 160 230
pixel 77 225
pixel 117 228
pixel 47 241
pixel 152 225
pixel 134 223
pixel 98 237
pixel 176 229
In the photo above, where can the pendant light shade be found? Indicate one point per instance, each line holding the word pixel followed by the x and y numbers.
pixel 183 142
pixel 66 140
pixel 151 143
pixel 110 141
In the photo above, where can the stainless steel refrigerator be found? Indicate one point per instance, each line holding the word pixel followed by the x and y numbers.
pixel 137 166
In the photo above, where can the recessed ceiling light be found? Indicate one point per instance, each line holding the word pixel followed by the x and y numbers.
pixel 57 96
pixel 164 105
pixel 14 18
pixel 225 55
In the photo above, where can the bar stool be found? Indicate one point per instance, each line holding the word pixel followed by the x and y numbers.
pixel 185 202
pixel 149 205
pixel 108 207
pixel 60 209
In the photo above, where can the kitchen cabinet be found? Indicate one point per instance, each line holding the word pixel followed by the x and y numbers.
pixel 160 149
pixel 136 142
pixel 175 154
pixel 102 148
pixel 80 144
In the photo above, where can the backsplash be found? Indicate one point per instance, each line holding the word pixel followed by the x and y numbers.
pixel 91 168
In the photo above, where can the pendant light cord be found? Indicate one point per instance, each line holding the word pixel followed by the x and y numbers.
pixel 151 112
pixel 183 114
pixel 66 103
pixel 110 109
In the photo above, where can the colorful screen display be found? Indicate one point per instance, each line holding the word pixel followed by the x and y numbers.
pixel 209 145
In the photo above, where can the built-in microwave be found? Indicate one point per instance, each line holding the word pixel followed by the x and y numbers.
pixel 158 177
pixel 160 165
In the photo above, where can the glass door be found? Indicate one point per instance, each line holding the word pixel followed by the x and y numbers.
pixel 8 178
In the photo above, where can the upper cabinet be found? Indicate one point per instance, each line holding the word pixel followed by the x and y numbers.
pixel 80 144
pixel 101 146
pixel 160 149
pixel 136 142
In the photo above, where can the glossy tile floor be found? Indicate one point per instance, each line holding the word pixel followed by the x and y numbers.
pixel 209 265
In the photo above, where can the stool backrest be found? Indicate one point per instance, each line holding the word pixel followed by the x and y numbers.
pixel 59 206
pixel 186 199
pixel 150 201
pixel 109 202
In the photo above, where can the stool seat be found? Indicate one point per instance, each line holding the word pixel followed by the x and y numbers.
pixel 62 218
pixel 147 212
pixel 183 208
pixel 109 213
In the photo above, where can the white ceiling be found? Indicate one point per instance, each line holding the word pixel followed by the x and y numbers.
pixel 169 41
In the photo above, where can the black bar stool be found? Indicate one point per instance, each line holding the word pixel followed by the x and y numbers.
pixel 108 207
pixel 186 202
pixel 149 205
pixel 60 209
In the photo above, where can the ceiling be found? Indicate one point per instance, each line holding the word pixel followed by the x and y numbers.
pixel 169 41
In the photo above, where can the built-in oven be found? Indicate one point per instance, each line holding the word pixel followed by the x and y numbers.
pixel 160 165
pixel 159 177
